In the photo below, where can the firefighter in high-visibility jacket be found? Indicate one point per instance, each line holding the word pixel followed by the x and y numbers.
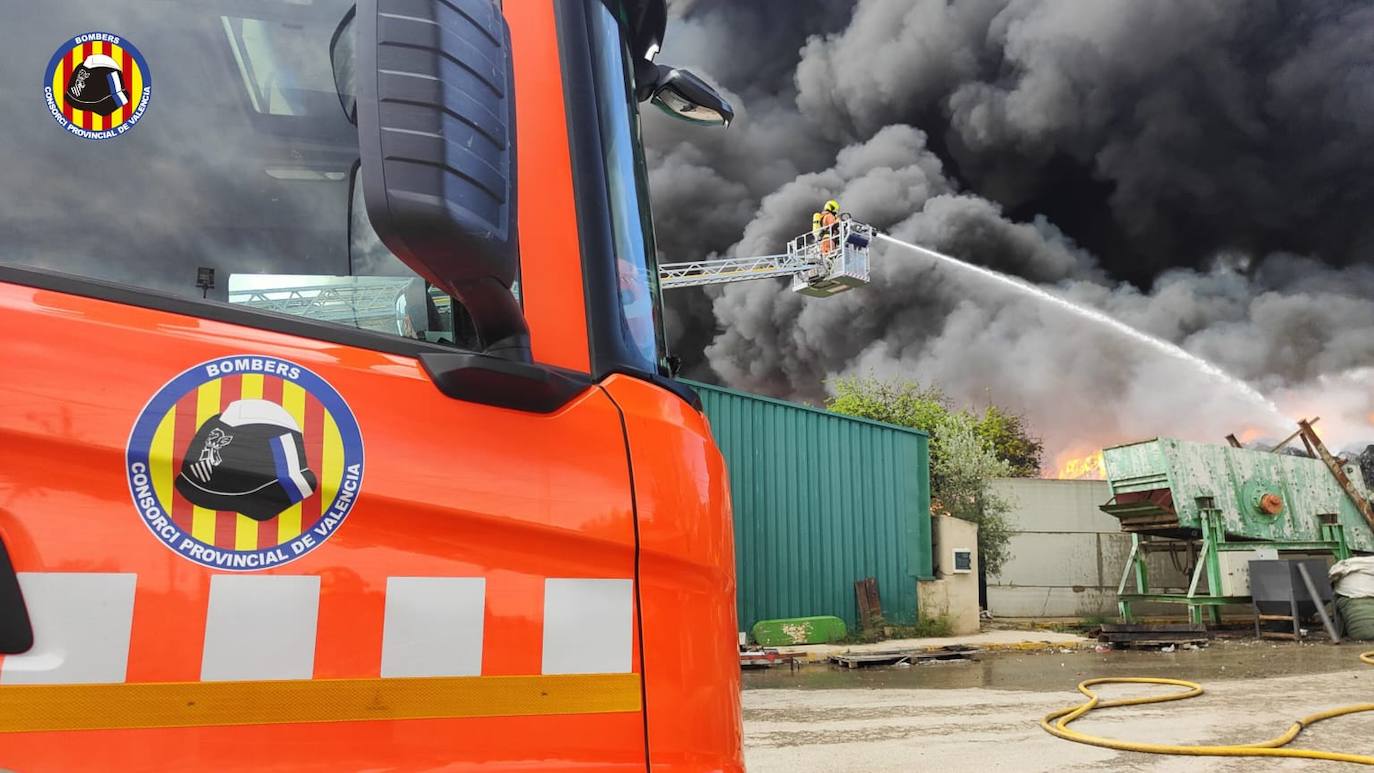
pixel 825 226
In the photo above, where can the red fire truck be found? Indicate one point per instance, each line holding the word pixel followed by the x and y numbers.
pixel 336 426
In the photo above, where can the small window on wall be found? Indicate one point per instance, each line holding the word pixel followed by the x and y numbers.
pixel 963 561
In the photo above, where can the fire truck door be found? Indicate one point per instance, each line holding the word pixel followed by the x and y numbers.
pixel 244 539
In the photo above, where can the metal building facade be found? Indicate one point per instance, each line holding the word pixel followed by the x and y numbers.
pixel 821 500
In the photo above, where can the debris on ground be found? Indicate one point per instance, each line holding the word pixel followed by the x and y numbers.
pixel 904 657
pixel 1167 636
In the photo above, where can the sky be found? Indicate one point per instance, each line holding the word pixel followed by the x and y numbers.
pixel 1199 171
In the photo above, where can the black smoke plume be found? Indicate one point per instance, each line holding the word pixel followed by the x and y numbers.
pixel 1199 170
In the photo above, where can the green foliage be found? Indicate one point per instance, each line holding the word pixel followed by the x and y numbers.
pixel 910 404
pixel 965 466
pixel 967 449
pixel 1011 441
pixel 925 628
pixel 906 403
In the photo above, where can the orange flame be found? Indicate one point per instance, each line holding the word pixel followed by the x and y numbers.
pixel 1082 468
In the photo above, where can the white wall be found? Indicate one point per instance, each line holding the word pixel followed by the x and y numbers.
pixel 1067 555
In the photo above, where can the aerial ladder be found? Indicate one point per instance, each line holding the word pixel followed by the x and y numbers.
pixel 821 263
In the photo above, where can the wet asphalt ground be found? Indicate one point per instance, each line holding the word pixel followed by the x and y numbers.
pixel 983 714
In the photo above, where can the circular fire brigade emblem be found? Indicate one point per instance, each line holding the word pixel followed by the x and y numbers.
pixel 97 85
pixel 245 462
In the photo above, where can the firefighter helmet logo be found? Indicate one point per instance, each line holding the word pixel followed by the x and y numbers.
pixel 97 85
pixel 245 462
pixel 209 455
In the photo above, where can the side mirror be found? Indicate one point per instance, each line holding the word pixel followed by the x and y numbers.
pixel 436 135
pixel 683 95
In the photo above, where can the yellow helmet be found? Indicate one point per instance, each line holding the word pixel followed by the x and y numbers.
pixel 832 206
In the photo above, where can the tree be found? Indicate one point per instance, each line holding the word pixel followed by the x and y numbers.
pixel 910 404
pixel 904 403
pixel 967 450
pixel 1011 441
pixel 965 467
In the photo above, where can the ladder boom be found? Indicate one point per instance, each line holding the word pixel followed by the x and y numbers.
pixel 821 263
pixel 722 270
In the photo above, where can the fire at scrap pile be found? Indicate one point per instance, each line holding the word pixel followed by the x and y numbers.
pixel 1088 467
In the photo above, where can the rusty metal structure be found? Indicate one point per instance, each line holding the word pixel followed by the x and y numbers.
pixel 1221 506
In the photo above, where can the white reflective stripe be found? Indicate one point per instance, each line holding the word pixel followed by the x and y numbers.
pixel 264 627
pixel 293 463
pixel 260 627
pixel 81 623
pixel 433 626
pixel 588 626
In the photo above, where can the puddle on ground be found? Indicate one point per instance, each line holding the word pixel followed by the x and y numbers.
pixel 1052 671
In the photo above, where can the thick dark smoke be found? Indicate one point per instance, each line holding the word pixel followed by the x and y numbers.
pixel 1181 128
pixel 1198 170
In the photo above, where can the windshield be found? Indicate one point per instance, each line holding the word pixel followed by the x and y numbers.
pixel 241 160
pixel 636 268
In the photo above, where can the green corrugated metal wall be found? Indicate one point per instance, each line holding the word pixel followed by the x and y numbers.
pixel 821 500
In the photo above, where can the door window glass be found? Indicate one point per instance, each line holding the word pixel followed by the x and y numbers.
pixel 240 171
pixel 636 268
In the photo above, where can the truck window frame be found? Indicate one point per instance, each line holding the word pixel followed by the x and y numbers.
pixel 609 351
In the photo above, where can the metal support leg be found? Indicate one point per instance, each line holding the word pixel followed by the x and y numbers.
pixel 1342 547
pixel 1122 605
pixel 1214 534
pixel 1194 611
pixel 1142 569
pixel 1317 601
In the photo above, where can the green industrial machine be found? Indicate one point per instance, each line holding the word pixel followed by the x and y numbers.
pixel 1224 505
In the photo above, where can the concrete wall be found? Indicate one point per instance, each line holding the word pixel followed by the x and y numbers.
pixel 951 594
pixel 1067 555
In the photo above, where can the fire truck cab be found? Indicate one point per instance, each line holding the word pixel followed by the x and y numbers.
pixel 337 430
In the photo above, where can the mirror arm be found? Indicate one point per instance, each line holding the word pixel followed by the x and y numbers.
pixel 497 315
pixel 648 76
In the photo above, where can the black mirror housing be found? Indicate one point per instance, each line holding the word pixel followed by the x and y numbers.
pixel 436 132
pixel 687 97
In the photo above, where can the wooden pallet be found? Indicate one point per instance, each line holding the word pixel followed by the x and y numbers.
pixel 897 657
pixel 766 658
pixel 1153 635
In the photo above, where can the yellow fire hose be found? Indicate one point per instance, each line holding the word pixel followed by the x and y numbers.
pixel 1057 723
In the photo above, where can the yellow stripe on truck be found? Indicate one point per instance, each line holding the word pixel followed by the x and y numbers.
pixel 45 707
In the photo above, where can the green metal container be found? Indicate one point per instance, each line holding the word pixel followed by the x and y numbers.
pixel 799 630
pixel 821 501
pixel 1156 484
